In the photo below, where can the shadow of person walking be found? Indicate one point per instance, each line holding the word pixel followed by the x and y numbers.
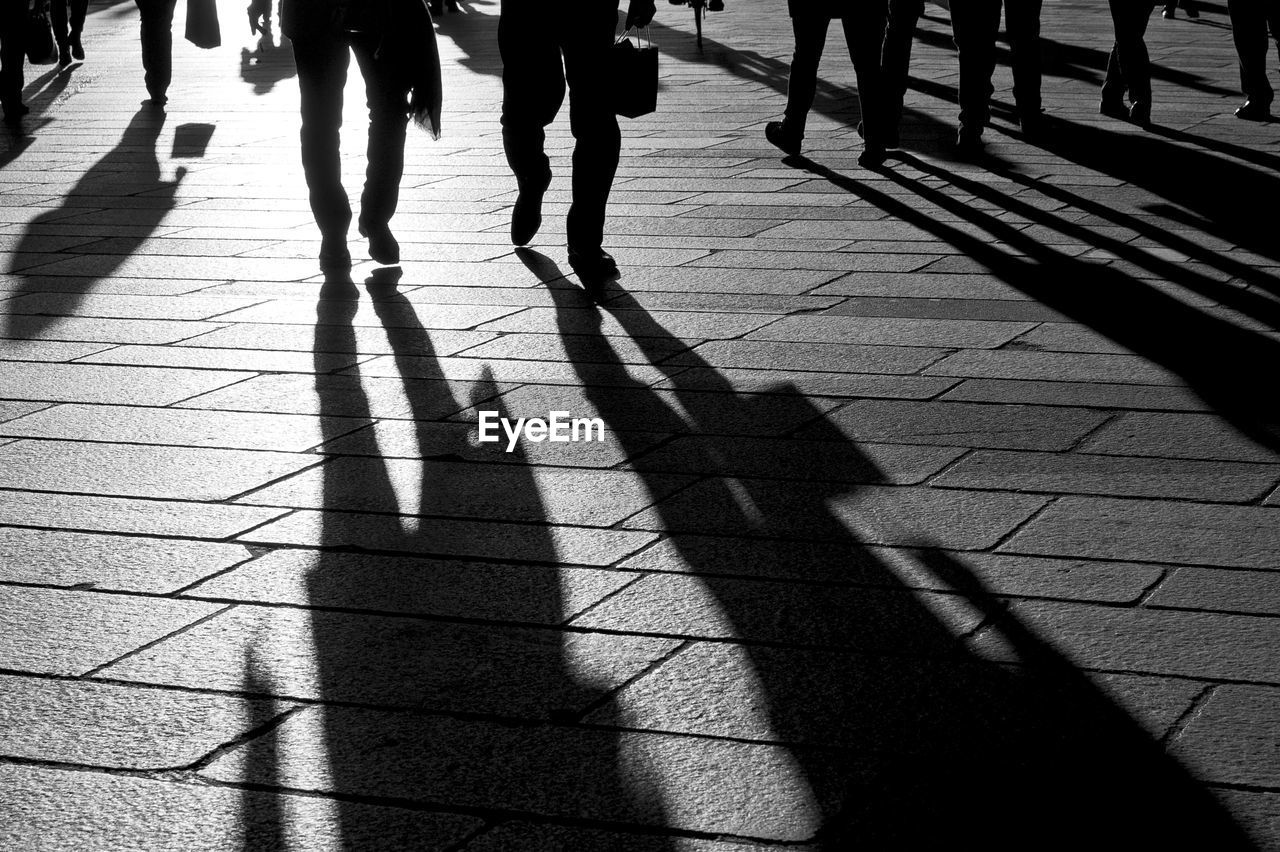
pixel 906 736
pixel 442 679
pixel 131 169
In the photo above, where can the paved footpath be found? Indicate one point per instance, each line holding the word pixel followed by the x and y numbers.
pixel 937 507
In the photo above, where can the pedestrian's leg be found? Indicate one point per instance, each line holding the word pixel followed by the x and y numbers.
pixel 157 46
pixel 322 74
pixel 79 9
pixel 13 15
pixel 1022 22
pixel 58 17
pixel 533 89
pixel 802 83
pixel 1249 32
pixel 895 63
pixel 597 139
pixel 864 35
pixel 387 99
pixel 974 25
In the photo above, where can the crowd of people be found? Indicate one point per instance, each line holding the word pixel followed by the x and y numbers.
pixel 546 56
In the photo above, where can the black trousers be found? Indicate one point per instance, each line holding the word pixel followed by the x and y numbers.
pixel 1129 65
pixel 322 64
pixel 532 39
pixel 975 25
pixel 864 35
pixel 1250 20
pixel 895 60
pixel 68 26
pixel 157 44
pixel 13 19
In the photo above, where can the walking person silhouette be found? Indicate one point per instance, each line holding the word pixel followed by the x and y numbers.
pixel 394 46
pixel 532 38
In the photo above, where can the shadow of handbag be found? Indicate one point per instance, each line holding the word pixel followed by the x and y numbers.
pixel 37 37
pixel 634 73
pixel 202 24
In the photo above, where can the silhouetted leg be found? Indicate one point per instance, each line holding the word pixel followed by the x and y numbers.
pixel 974 25
pixel 532 86
pixel 58 16
pixel 802 83
pixel 1022 22
pixel 322 74
pixel 864 34
pixel 387 100
pixel 598 141
pixel 899 33
pixel 157 45
pixel 13 15
pixel 1129 66
pixel 1249 20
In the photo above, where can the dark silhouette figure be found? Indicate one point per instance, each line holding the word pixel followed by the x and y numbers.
pixel 324 35
pixel 905 739
pixel 157 47
pixel 533 40
pixel 423 703
pixel 13 22
pixel 864 29
pixel 1129 66
pixel 133 158
pixel 975 24
pixel 1250 21
pixel 68 26
pixel 895 61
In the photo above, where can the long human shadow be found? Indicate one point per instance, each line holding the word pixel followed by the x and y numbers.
pixel 444 678
pixel 131 168
pixel 1186 177
pixel 904 739
pixel 1213 355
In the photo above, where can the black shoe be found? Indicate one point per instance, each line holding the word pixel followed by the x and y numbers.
pixel 1252 110
pixel 1031 124
pixel 1114 109
pixel 526 216
pixel 1140 114
pixel 1192 11
pixel 969 143
pixel 776 133
pixel 15 110
pixel 64 56
pixel 334 254
pixel 77 49
pixel 715 6
pixel 594 266
pixel 382 243
pixel 872 156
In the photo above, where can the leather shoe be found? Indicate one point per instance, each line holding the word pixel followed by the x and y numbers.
pixel 526 216
pixel 382 243
pixel 968 143
pixel 776 133
pixel 871 157
pixel 594 266
pixel 77 49
pixel 1252 110
pixel 1140 114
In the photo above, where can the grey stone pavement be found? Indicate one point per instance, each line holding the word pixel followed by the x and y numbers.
pixel 937 507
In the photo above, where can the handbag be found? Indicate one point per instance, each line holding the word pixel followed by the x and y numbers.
pixel 38 41
pixel 202 23
pixel 634 72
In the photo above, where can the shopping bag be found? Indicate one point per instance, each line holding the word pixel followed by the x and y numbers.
pixel 634 76
pixel 38 40
pixel 202 23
